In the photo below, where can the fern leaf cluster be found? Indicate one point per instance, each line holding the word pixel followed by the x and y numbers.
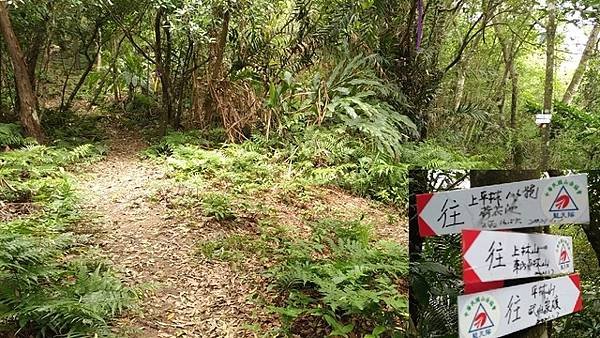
pixel 48 285
pixel 340 275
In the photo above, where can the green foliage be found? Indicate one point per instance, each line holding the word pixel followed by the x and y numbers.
pixel 233 248
pixel 585 323
pixel 338 275
pixel 576 137
pixel 10 135
pixel 141 105
pixel 67 129
pixel 436 287
pixel 213 138
pixel 49 285
pixel 350 96
pixel 35 162
pixel 315 156
pixel 217 205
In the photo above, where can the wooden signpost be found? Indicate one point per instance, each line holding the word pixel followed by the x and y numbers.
pixel 491 257
pixel 532 203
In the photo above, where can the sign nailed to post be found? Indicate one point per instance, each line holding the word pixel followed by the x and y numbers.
pixel 499 312
pixel 499 255
pixel 557 200
pixel 543 118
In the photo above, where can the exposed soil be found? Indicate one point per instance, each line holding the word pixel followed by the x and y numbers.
pixel 154 246
pixel 188 297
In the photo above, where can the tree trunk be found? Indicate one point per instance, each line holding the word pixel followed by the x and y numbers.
pixel 588 51
pixel 501 96
pixel 509 55
pixel 592 229
pixel 218 52
pixel 99 55
pixel 548 83
pixel 84 75
pixel 168 72
pixel 417 184
pixel 28 108
pixel 488 177
pixel 460 87
pixel 517 150
pixel 167 106
pixel 33 54
pixel 3 114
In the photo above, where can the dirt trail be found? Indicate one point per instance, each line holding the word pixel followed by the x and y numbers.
pixel 189 298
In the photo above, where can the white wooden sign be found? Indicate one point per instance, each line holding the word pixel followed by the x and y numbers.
pixel 543 118
pixel 501 255
pixel 498 312
pixel 557 200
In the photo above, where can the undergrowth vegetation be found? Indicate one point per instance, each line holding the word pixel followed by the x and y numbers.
pixel 342 282
pixel 318 156
pixel 50 285
pixel 334 277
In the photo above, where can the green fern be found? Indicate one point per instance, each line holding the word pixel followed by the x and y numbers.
pixel 10 135
pixel 339 273
pixel 49 287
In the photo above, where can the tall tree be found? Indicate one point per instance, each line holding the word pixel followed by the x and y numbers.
pixel 588 51
pixel 28 105
pixel 549 80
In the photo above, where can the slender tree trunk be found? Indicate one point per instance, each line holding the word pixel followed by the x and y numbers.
pixel 168 72
pixel 460 87
pixel 86 72
pixel 112 67
pixel 592 229
pixel 417 184
pixel 517 150
pixel 33 54
pixel 163 73
pixel 509 55
pixel 28 107
pixel 2 112
pixel 588 51
pixel 99 55
pixel 548 83
pixel 501 96
pixel 218 52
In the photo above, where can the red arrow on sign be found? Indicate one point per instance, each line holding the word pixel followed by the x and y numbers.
pixel 424 228
pixel 472 281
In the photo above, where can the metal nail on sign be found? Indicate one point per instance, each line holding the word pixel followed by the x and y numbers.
pixel 500 255
pixel 557 200
pixel 502 311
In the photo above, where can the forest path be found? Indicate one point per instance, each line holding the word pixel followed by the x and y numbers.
pixel 148 247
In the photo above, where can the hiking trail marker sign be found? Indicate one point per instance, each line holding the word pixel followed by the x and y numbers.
pixel 498 312
pixel 557 200
pixel 501 255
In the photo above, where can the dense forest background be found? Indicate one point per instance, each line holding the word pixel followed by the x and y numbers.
pixel 241 100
